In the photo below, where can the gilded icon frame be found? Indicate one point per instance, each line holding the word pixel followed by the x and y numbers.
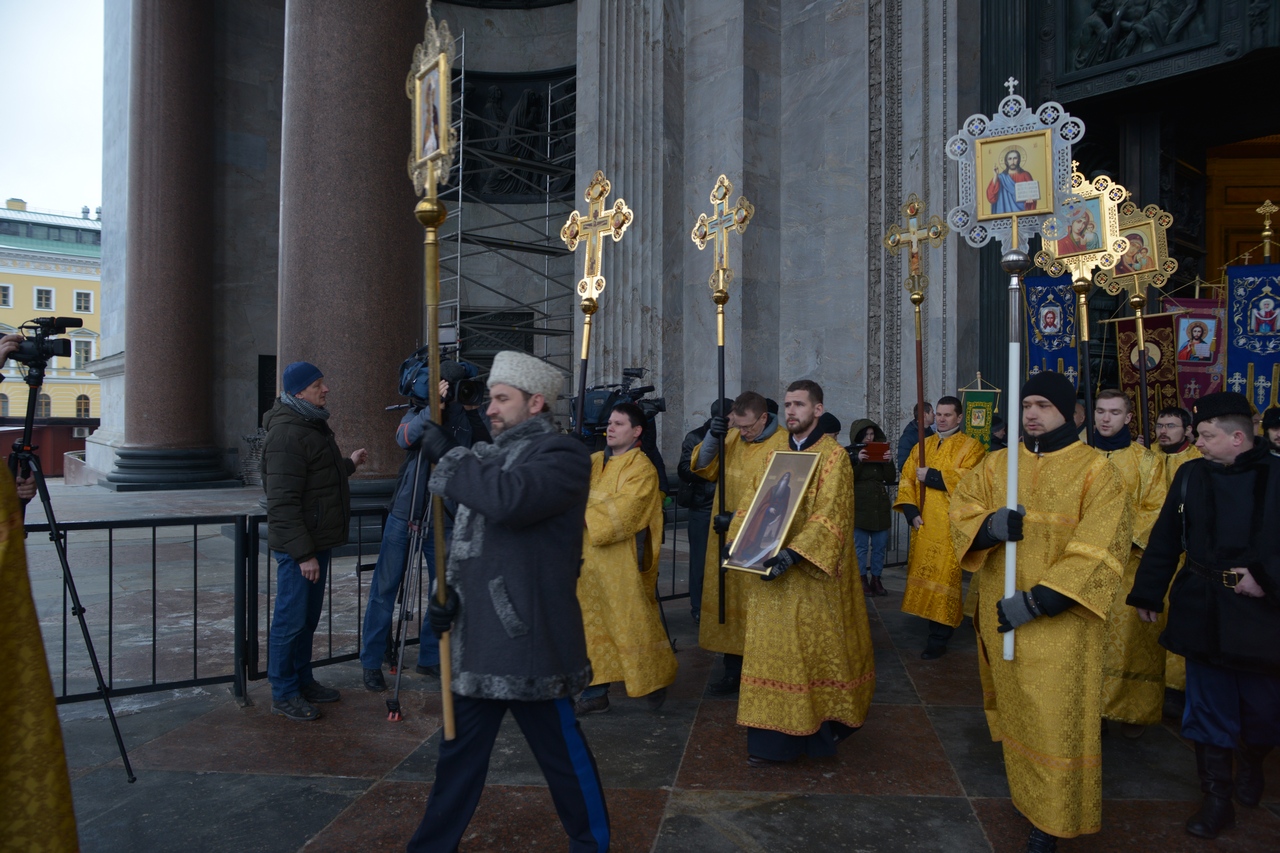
pixel 797 466
pixel 1035 152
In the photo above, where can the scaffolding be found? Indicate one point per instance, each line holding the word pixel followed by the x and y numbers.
pixel 506 277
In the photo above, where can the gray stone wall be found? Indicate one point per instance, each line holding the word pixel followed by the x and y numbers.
pixel 514 40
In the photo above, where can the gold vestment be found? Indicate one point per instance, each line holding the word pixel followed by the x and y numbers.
pixel 1133 666
pixel 933 572
pixel 745 463
pixel 1044 706
pixel 625 637
pixel 35 790
pixel 808 654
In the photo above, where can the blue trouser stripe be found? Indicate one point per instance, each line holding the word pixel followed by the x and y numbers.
pixel 588 782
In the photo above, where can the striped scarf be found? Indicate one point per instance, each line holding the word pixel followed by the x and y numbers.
pixel 302 407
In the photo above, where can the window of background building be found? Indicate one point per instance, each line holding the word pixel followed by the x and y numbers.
pixel 81 354
pixel 6 295
pixel 82 406
pixel 4 405
pixel 84 301
pixel 39 232
pixel 44 299
pixel 13 228
pixel 43 406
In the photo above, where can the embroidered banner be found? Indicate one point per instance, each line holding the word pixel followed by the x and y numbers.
pixel 1200 338
pixel 1051 326
pixel 1253 333
pixel 1162 375
pixel 979 414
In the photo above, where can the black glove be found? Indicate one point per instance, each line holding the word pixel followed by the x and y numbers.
pixel 718 427
pixel 1015 611
pixel 1006 525
pixel 435 441
pixel 720 523
pixel 785 559
pixel 441 616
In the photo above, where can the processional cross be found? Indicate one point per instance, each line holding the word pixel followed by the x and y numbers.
pixel 592 229
pixel 723 220
pixel 917 231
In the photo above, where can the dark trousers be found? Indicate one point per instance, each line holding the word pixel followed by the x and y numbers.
pixel 1225 707
pixel 558 744
pixel 299 603
pixel 699 530
pixel 939 634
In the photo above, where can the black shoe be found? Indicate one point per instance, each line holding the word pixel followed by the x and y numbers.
pixel 655 699
pixel 373 681
pixel 1213 764
pixel 1132 731
pixel 318 694
pixel 1041 842
pixel 596 705
pixel 296 708
pixel 726 685
pixel 866 585
pixel 697 617
pixel 1249 779
pixel 1215 815
pixel 432 671
pixel 933 652
pixel 877 587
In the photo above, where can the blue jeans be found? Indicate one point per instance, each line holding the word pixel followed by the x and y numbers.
pixel 870 545
pixel 699 529
pixel 297 613
pixel 393 554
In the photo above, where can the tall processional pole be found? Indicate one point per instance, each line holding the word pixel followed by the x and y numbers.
pixel 1015 262
pixel 717 227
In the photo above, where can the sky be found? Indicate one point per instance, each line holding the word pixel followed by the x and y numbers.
pixel 51 103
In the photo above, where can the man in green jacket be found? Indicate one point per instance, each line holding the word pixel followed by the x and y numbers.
pixel 308 511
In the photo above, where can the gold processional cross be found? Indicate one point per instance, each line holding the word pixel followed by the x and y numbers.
pixel 722 221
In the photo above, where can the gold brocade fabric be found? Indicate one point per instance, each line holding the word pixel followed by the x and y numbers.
pixel 1044 706
pixel 35 791
pixel 933 572
pixel 1175 666
pixel 1133 666
pixel 745 463
pixel 625 638
pixel 808 654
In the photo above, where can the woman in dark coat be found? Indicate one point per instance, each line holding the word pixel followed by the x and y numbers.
pixel 872 513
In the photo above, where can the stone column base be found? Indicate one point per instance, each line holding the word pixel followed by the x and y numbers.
pixel 144 469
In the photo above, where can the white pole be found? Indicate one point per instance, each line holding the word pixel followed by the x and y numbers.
pixel 1015 262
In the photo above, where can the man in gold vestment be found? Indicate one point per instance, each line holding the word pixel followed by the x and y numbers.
pixel 933 572
pixel 1044 705
pixel 1173 434
pixel 808 672
pixel 1133 667
pixel 618 585
pixel 750 435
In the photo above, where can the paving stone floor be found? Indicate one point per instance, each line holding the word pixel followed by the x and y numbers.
pixel 922 775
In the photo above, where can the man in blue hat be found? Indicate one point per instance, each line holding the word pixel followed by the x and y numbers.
pixel 1224 607
pixel 308 512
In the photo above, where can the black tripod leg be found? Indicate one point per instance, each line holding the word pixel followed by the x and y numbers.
pixel 410 584
pixel 32 462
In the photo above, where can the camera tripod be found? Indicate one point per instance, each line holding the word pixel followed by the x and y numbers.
pixel 25 460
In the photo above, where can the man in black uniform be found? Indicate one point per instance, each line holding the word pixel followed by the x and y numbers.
pixel 1222 512
pixel 517 637
pixel 698 496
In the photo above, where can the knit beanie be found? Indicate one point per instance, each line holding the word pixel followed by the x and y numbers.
pixel 298 376
pixel 1271 418
pixel 1055 388
pixel 529 374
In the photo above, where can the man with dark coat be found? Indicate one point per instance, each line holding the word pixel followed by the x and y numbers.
pixel 517 630
pixel 911 432
pixel 698 496
pixel 308 511
pixel 1224 607
pixel 872 508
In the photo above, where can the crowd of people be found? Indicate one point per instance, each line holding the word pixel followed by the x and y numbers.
pixel 1136 569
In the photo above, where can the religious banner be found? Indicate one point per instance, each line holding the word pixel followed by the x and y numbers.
pixel 1162 374
pixel 980 401
pixel 1051 326
pixel 1253 333
pixel 1199 327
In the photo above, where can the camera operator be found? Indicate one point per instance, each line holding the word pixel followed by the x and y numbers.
pixel 26 486
pixel 463 423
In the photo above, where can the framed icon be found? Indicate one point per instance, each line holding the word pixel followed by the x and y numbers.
pixel 431 111
pixel 773 508
pixel 1016 173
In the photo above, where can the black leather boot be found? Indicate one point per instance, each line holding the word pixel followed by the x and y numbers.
pixel 1216 811
pixel 1041 842
pixel 1249 779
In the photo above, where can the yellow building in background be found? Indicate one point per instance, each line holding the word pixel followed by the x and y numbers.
pixel 51 265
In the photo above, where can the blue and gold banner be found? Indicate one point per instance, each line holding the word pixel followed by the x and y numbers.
pixel 1253 333
pixel 1051 326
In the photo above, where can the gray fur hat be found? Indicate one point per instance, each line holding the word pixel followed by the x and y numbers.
pixel 529 374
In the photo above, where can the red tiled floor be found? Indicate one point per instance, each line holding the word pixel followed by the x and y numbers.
pixel 949 680
pixel 896 753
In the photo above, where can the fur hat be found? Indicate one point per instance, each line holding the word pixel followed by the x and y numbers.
pixel 298 376
pixel 1055 388
pixel 1271 418
pixel 1212 406
pixel 529 374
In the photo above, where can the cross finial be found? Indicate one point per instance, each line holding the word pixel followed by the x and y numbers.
pixel 1267 209
pixel 1011 84
pixel 593 228
pixel 1075 165
pixel 716 228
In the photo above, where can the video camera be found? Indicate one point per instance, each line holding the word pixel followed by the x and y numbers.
pixel 36 350
pixel 600 400
pixel 464 388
